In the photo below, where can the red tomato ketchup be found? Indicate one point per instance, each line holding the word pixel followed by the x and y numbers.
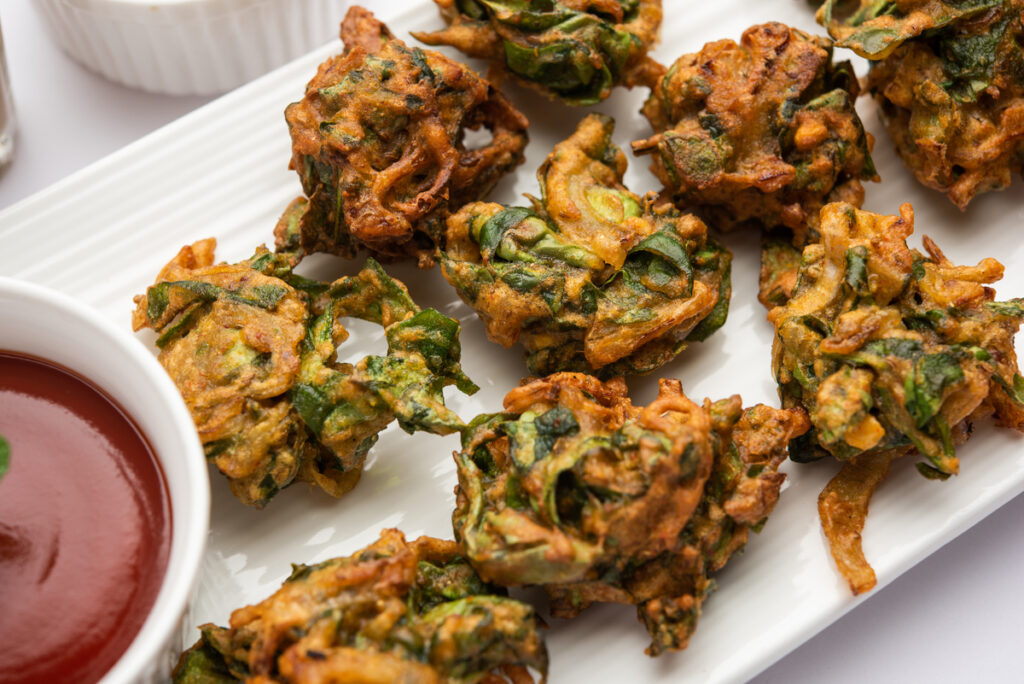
pixel 85 526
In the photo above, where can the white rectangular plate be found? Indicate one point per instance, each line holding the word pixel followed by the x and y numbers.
pixel 102 235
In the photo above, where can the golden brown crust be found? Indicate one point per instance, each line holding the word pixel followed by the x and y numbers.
pixel 843 508
pixel 890 351
pixel 394 611
pixel 949 79
pixel 573 51
pixel 597 500
pixel 592 278
pixel 378 143
pixel 764 130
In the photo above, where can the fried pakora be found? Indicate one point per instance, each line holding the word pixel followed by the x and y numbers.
pixel 379 143
pixel 575 489
pixel 592 278
pixel 395 611
pixel 875 28
pixel 953 100
pixel 574 51
pixel 891 351
pixel 252 349
pixel 763 131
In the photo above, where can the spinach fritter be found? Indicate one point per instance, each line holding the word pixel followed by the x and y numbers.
pixel 394 611
pixel 574 51
pixel 575 489
pixel 875 28
pixel 762 131
pixel 887 347
pixel 953 97
pixel 252 349
pixel 892 351
pixel 591 278
pixel 378 141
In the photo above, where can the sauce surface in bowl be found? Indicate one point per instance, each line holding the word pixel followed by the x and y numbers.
pixel 85 527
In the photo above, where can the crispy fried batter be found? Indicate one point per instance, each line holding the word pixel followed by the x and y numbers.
pixel 378 143
pixel 252 348
pixel 953 100
pixel 843 509
pixel 887 347
pixel 890 350
pixel 875 28
pixel 780 261
pixel 575 489
pixel 392 612
pixel 592 278
pixel 575 51
pixel 763 131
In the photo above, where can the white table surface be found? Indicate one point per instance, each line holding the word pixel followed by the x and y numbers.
pixel 956 617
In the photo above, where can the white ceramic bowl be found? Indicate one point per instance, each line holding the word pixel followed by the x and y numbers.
pixel 52 326
pixel 184 47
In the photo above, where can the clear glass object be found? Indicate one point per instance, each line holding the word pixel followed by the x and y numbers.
pixel 6 109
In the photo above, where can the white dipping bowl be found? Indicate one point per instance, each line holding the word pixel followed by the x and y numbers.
pixel 54 327
pixel 189 47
